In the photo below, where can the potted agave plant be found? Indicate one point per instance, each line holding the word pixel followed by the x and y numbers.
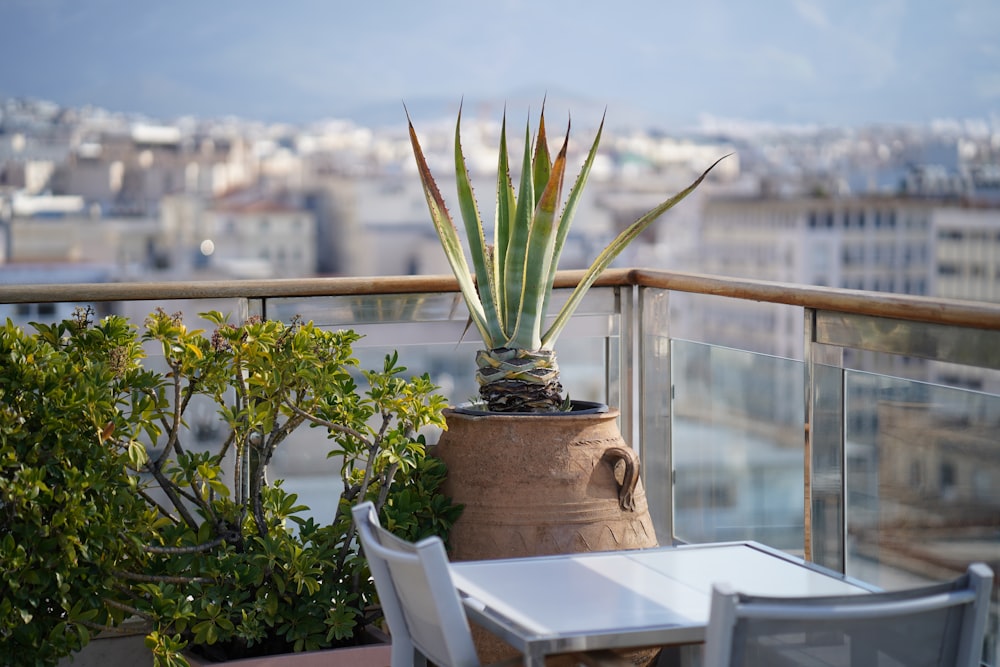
pixel 536 472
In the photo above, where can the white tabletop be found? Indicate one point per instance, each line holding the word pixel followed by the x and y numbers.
pixel 627 598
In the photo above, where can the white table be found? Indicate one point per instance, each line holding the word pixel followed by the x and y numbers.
pixel 556 604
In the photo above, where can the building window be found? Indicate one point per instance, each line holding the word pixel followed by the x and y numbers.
pixel 853 254
pixel 947 477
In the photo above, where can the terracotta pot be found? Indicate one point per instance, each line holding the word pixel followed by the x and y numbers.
pixel 537 484
pixel 540 484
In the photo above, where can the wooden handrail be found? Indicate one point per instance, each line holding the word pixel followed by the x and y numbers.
pixel 974 314
pixel 258 289
pixel 980 315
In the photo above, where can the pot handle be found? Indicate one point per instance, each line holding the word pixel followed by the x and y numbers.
pixel 613 455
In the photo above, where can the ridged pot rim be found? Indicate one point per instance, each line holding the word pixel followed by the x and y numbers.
pixel 577 409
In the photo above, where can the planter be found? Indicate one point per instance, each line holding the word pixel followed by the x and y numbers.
pixel 125 645
pixel 540 484
pixel 537 484
pixel 376 655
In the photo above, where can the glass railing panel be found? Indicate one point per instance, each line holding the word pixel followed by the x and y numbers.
pixel 429 331
pixel 370 308
pixel 737 446
pixel 922 482
pixel 23 314
pixel 825 424
pixel 432 334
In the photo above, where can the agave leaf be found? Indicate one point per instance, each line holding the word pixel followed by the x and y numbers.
pixel 513 266
pixel 448 234
pixel 539 260
pixel 478 250
pixel 542 162
pixel 569 210
pixel 506 205
pixel 612 250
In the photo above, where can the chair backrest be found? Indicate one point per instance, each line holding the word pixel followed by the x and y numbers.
pixel 419 600
pixel 935 626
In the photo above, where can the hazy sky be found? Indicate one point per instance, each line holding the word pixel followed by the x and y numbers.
pixel 803 61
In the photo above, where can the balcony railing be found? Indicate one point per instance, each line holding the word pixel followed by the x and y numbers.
pixel 859 429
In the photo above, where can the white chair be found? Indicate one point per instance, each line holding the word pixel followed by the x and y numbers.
pixel 934 626
pixel 421 604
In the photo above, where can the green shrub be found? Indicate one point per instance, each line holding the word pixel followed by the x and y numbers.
pixel 198 541
pixel 69 512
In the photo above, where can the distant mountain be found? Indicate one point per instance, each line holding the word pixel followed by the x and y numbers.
pixel 583 111
pixel 389 113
